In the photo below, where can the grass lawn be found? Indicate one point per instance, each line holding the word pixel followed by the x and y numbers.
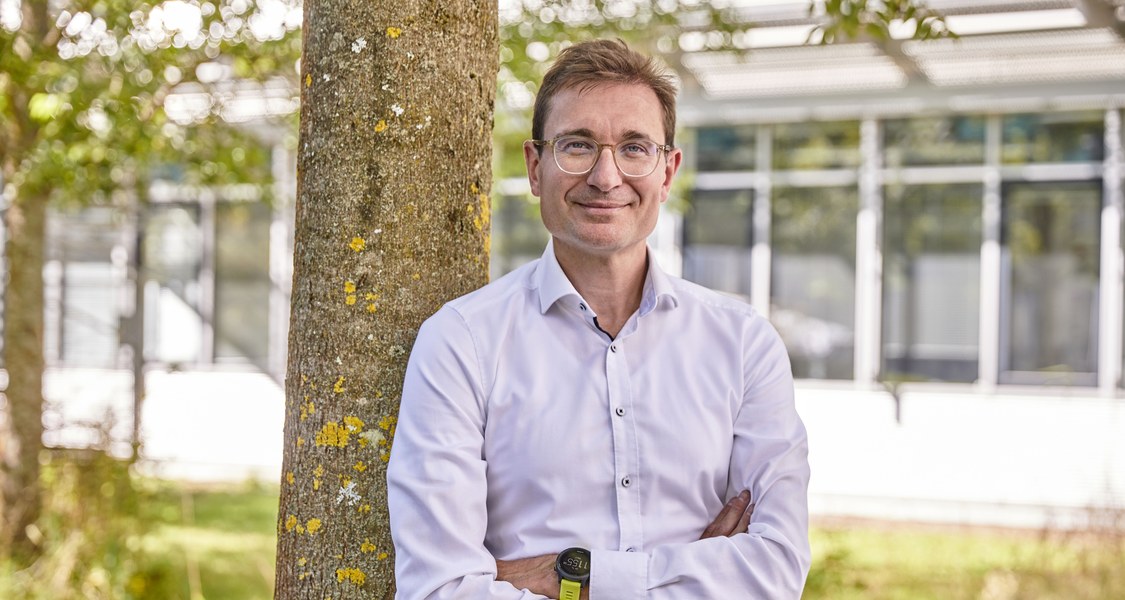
pixel 855 559
pixel 218 543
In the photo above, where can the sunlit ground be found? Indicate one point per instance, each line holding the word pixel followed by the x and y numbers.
pixel 217 543
pixel 886 560
pixel 223 541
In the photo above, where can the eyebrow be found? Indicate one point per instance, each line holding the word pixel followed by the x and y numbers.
pixel 631 134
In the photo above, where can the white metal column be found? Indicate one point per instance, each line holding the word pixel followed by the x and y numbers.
pixel 1110 300
pixel 869 258
pixel 760 254
pixel 990 260
pixel 208 221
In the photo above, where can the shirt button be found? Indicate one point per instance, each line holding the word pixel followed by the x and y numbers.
pixel 620 411
pixel 626 481
pixel 581 307
pixel 629 549
pixel 613 348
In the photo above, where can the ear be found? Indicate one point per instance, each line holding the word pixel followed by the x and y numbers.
pixel 671 167
pixel 532 159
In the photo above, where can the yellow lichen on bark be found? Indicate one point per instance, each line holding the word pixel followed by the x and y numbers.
pixel 351 575
pixel 332 435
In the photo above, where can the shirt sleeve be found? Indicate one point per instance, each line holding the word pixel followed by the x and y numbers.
pixel 769 457
pixel 436 479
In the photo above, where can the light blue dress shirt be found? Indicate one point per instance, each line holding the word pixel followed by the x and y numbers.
pixel 524 430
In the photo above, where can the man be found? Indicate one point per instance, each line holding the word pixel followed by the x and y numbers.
pixel 589 426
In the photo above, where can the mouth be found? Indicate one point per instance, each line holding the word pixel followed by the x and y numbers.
pixel 600 204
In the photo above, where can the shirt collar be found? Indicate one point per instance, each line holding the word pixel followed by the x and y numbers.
pixel 552 282
pixel 554 285
pixel 658 287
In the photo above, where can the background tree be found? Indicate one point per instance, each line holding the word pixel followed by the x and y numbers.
pixel 83 85
pixel 394 168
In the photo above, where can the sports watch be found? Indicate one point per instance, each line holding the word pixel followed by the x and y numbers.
pixel 573 567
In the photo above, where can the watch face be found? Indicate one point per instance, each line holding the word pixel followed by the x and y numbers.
pixel 574 564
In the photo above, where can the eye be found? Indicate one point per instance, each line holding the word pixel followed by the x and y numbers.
pixel 575 145
pixel 638 148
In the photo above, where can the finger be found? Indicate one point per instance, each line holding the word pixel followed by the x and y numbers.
pixel 732 522
pixel 713 529
pixel 744 523
pixel 728 518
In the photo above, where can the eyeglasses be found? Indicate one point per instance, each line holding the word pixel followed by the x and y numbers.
pixel 577 155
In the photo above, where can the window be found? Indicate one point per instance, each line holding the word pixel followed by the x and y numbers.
pixel 726 148
pixel 173 252
pixel 83 287
pixel 813 278
pixel 1054 137
pixel 947 140
pixel 931 282
pixel 1049 331
pixel 242 285
pixel 718 234
pixel 518 233
pixel 812 146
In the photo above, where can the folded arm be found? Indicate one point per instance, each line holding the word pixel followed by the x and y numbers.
pixel 537 574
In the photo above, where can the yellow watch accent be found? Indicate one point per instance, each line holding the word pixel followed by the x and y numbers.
pixel 569 590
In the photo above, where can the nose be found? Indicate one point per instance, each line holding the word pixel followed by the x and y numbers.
pixel 604 176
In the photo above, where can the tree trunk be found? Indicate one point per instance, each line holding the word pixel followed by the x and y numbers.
pixel 394 170
pixel 25 226
pixel 25 222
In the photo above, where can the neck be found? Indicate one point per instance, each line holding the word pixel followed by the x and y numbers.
pixel 612 284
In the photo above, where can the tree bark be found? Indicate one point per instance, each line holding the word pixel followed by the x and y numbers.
pixel 25 226
pixel 394 170
pixel 25 222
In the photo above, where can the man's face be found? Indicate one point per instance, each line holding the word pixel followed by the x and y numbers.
pixel 603 212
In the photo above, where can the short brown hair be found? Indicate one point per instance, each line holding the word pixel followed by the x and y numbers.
pixel 588 64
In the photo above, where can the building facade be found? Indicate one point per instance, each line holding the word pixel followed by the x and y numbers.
pixel 935 228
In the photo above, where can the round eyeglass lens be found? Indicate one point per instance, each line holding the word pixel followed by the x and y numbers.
pixel 578 155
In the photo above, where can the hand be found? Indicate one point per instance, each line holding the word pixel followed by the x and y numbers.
pixel 734 518
pixel 535 574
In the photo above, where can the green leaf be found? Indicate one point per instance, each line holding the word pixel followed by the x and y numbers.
pixel 44 107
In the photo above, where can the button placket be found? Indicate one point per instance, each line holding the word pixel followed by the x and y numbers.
pixel 627 463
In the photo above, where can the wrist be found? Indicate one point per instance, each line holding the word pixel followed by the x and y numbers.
pixel 573 568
